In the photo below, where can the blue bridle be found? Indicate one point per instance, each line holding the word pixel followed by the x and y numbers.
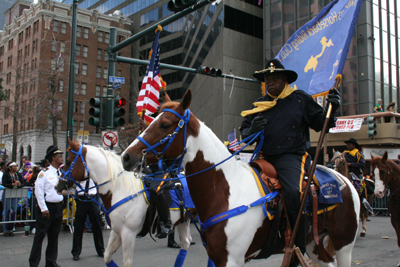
pixel 184 120
pixel 69 177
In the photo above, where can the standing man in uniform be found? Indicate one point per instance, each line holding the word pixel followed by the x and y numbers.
pixel 48 210
pixel 286 114
pixel 85 207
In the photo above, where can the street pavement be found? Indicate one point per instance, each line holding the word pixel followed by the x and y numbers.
pixel 378 248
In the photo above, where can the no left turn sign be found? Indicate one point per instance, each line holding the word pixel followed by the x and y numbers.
pixel 109 138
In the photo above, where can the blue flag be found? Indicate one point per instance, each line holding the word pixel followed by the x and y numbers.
pixel 318 50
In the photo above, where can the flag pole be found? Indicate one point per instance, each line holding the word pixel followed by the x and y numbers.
pixel 290 249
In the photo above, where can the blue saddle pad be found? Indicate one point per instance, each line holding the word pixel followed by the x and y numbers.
pixel 329 191
pixel 186 196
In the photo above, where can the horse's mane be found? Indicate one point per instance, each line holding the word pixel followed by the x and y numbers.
pixel 117 174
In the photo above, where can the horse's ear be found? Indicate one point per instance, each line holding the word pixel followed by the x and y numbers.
pixel 187 99
pixel 385 156
pixel 69 141
pixel 372 156
pixel 333 150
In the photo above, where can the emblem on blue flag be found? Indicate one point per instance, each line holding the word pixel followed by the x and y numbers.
pixel 318 50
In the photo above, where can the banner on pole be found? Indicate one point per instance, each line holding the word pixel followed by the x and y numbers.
pixel 347 125
pixel 85 137
pixel 79 138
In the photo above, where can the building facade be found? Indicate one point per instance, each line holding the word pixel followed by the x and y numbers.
pixel 34 65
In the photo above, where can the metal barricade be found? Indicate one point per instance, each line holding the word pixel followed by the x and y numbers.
pixel 380 206
pixel 19 207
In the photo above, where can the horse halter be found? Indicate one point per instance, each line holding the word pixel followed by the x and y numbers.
pixel 184 120
pixel 71 167
pixel 339 167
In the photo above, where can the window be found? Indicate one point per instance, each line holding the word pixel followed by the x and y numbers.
pixel 8 78
pixel 99 53
pixel 105 73
pixel 86 33
pixel 81 125
pixel 76 88
pixel 82 108
pixel 1 50
pixel 19 55
pixel 20 37
pixel 98 89
pixel 119 73
pixel 105 55
pixel 53 45
pixel 107 38
pixel 104 90
pixel 62 47
pixel 59 123
pixel 74 126
pixel 85 51
pixel 78 31
pixel 1 66
pixel 78 50
pixel 27 50
pixel 83 88
pixel 59 105
pixel 63 27
pixel 28 32
pixel 35 26
pixel 5 129
pixel 55 26
pixel 9 61
pixel 75 107
pixel 84 69
pixel 76 68
pixel 61 65
pixel 100 37
pixel 98 72
pixel 10 44
pixel 60 85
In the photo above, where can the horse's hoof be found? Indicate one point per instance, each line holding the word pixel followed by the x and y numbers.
pixel 362 234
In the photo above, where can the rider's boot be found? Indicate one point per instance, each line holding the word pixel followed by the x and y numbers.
pixel 163 212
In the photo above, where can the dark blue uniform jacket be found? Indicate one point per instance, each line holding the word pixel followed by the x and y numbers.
pixel 357 162
pixel 288 125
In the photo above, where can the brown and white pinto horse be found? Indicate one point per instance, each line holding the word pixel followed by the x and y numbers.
pixel 387 177
pixel 105 168
pixel 230 185
pixel 339 164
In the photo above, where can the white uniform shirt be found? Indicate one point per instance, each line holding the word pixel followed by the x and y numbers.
pixel 92 191
pixel 44 188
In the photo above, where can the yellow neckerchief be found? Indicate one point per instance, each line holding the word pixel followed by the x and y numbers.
pixel 266 105
pixel 355 153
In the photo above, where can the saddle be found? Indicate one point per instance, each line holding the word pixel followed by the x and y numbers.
pixel 270 178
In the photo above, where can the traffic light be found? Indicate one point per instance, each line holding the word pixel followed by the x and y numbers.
pixel 179 5
pixel 95 111
pixel 209 71
pixel 371 126
pixel 119 111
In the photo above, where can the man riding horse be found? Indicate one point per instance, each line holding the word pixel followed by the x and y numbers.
pixel 355 163
pixel 286 114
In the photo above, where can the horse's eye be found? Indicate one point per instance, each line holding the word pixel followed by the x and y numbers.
pixel 164 125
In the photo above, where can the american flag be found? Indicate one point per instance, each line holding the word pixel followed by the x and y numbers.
pixel 152 83
pixel 233 142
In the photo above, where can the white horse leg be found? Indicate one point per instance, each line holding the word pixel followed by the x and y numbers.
pixel 184 234
pixel 314 257
pixel 343 255
pixel 364 222
pixel 114 242
pixel 128 244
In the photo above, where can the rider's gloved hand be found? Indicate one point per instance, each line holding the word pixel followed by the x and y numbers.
pixel 334 99
pixel 257 124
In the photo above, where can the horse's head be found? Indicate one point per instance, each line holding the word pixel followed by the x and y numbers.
pixel 77 171
pixel 383 173
pixel 164 138
pixel 339 162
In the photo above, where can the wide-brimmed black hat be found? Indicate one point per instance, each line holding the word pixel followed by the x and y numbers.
pixel 275 66
pixel 353 141
pixel 51 151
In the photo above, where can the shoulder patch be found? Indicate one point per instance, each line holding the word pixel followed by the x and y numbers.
pixel 45 169
pixel 41 175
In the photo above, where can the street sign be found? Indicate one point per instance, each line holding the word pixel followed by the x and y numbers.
pixel 116 85
pixel 109 137
pixel 114 79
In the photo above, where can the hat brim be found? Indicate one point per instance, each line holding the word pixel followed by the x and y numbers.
pixel 291 75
